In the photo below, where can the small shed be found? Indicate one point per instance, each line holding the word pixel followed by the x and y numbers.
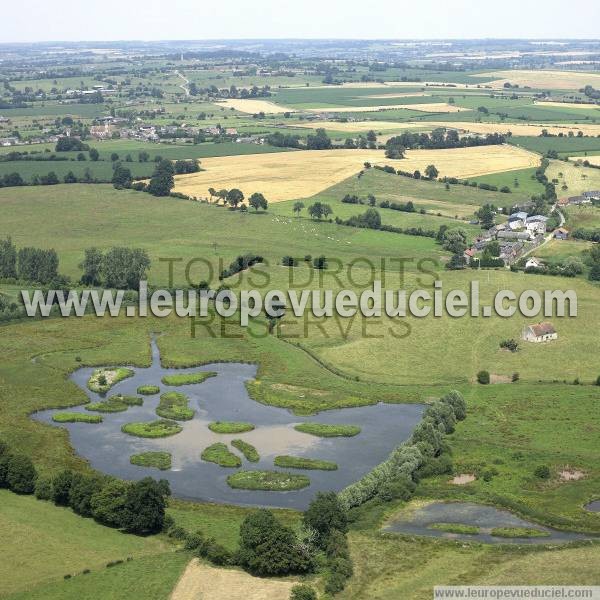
pixel 561 233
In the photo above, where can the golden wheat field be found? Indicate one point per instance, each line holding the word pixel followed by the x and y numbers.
pixel 398 95
pixel 578 179
pixel 279 176
pixel 200 581
pixel 566 104
pixel 253 106
pixel 362 126
pixel 593 160
pixel 434 107
pixel 561 80
pixel 532 129
pixel 469 162
pixel 300 174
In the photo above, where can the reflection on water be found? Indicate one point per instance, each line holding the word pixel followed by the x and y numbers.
pixel 225 398
pixel 484 517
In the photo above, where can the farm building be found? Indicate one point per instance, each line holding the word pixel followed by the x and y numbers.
pixel 517 220
pixel 577 200
pixel 593 195
pixel 533 263
pixel 561 233
pixel 513 235
pixel 542 332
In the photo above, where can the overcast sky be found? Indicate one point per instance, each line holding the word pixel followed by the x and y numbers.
pixel 83 20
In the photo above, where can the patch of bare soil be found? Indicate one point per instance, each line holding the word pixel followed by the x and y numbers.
pixel 463 479
pixel 203 582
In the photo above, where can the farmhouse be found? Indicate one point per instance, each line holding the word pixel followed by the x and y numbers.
pixel 561 233
pixel 577 200
pixel 533 263
pixel 536 224
pixel 513 235
pixel 593 195
pixel 468 255
pixel 517 220
pixel 542 332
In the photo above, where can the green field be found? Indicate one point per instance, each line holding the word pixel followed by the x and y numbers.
pixel 565 146
pixel 58 543
pixel 521 181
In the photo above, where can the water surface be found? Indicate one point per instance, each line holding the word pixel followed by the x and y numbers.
pixel 225 398
pixel 485 517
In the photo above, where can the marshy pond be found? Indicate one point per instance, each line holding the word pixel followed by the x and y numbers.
pixel 224 398
pixel 487 524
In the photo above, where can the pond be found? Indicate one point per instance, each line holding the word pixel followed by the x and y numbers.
pixel 486 518
pixel 593 506
pixel 225 398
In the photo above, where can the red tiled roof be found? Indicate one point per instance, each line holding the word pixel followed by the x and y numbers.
pixel 541 329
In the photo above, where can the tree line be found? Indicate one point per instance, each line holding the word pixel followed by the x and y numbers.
pixel 36 265
pixel 135 507
pixel 438 139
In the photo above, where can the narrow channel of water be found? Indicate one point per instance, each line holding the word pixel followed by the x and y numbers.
pixel 225 398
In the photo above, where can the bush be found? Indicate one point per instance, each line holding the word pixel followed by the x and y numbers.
pixel 515 377
pixel 83 487
pixel 43 488
pixel 61 487
pixel 337 545
pixel 511 345
pixel 20 474
pixel 483 377
pixel 303 592
pixel 335 582
pixel 325 514
pixel 542 472
pixel 438 465
pixel 396 489
pixel 269 548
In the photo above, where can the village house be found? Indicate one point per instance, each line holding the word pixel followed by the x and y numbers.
pixel 513 235
pixel 578 200
pixel 533 263
pixel 517 220
pixel 468 255
pixel 510 251
pixel 561 233
pixel 593 195
pixel 542 332
pixel 102 132
pixel 536 225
